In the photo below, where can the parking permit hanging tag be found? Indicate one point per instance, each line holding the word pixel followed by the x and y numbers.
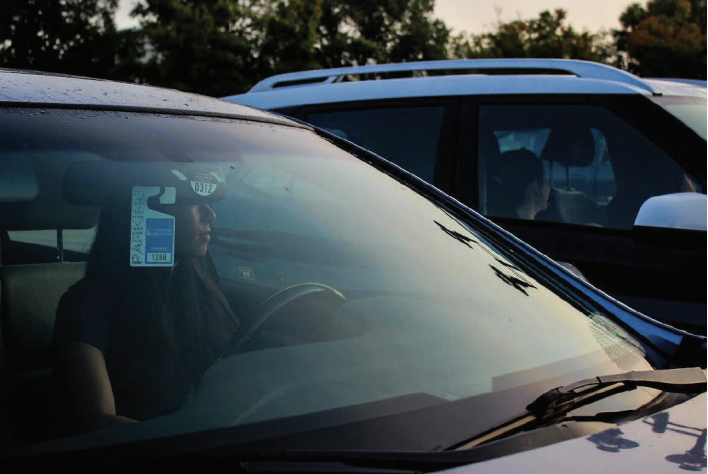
pixel 152 233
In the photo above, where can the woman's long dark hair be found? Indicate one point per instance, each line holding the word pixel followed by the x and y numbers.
pixel 178 320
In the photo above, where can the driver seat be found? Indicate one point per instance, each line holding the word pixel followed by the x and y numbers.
pixel 571 144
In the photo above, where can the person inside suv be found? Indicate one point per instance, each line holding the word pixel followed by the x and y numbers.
pixel 521 189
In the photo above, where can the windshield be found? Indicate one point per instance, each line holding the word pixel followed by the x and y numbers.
pixel 225 273
pixel 690 110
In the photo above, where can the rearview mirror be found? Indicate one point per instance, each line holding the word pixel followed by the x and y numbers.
pixel 97 182
pixel 674 211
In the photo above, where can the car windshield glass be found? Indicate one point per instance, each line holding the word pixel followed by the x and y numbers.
pixel 247 274
pixel 690 110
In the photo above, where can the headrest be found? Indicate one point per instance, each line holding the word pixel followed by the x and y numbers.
pixel 99 182
pixel 570 144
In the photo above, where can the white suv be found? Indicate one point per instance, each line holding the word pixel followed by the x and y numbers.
pixel 607 141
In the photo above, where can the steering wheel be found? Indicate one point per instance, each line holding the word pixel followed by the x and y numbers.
pixel 277 302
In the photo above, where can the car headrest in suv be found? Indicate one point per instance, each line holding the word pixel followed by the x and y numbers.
pixel 570 144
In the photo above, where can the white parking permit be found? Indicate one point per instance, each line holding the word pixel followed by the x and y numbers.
pixel 152 233
pixel 204 184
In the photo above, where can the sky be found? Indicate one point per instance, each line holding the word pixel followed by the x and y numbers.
pixel 479 16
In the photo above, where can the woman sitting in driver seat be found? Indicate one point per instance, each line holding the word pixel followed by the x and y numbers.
pixel 133 342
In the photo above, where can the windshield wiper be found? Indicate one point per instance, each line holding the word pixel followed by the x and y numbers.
pixel 544 412
pixel 547 410
pixel 552 406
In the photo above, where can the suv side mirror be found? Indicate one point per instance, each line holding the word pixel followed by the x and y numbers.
pixel 674 211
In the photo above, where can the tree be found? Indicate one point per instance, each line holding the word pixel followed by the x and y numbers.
pixel 548 36
pixel 420 37
pixel 311 34
pixel 667 38
pixel 66 36
pixel 198 46
pixel 289 36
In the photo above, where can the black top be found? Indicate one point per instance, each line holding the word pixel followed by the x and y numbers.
pixel 146 380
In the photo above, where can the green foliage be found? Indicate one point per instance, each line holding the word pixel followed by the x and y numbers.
pixel 548 36
pixel 195 45
pixel 420 37
pixel 221 47
pixel 67 36
pixel 290 36
pixel 667 38
pixel 311 34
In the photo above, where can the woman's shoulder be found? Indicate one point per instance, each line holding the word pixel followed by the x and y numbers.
pixel 82 315
pixel 73 298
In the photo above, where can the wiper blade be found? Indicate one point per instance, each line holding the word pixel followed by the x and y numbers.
pixel 552 405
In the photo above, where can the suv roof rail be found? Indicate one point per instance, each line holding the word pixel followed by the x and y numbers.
pixel 584 69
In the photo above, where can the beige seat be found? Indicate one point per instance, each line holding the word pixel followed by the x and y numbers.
pixel 30 295
pixel 30 291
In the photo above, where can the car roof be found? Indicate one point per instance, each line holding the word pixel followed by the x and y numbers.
pixel 693 82
pixel 678 87
pixel 32 88
pixel 464 77
pixel 439 86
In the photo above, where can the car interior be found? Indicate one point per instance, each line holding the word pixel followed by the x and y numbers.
pixel 600 170
pixel 35 274
pixel 571 145
pixel 27 321
pixel 566 147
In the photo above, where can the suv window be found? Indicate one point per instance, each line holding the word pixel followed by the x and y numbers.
pixel 407 136
pixel 574 164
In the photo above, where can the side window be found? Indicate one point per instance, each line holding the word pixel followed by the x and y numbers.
pixel 407 136
pixel 573 164
pixel 76 243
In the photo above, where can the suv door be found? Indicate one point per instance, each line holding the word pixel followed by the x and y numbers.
pixel 602 158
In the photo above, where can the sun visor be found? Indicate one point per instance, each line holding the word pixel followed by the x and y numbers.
pixel 32 195
pixel 96 183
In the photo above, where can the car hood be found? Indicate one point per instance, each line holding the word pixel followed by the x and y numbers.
pixel 667 441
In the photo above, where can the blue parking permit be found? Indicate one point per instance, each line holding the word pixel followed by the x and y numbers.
pixel 152 236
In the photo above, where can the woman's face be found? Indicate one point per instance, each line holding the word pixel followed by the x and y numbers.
pixel 193 229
